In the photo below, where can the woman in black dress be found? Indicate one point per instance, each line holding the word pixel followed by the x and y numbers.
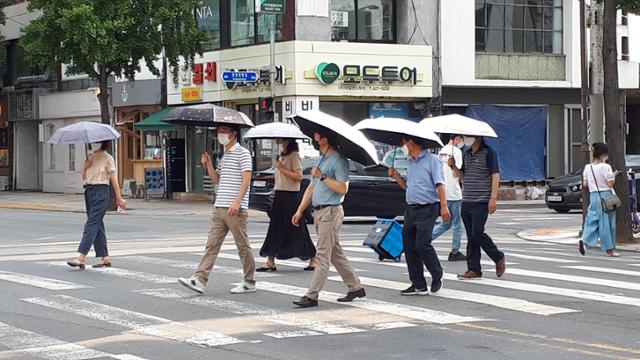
pixel 285 241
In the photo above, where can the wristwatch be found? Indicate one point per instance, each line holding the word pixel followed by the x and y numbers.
pixel 323 177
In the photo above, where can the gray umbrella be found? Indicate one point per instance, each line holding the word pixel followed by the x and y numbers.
pixel 84 132
pixel 207 115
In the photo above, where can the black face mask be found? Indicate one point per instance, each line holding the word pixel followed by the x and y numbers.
pixel 316 145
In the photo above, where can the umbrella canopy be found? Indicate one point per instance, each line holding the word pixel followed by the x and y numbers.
pixel 84 132
pixel 275 130
pixel 349 142
pixel 392 130
pixel 459 125
pixel 207 115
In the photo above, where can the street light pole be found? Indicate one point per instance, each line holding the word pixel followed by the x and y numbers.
pixel 272 53
pixel 584 96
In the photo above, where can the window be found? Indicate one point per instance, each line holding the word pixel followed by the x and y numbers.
pixel 243 20
pixel 72 157
pixel 52 156
pixel 519 26
pixel 208 18
pixel 363 20
pixel 625 48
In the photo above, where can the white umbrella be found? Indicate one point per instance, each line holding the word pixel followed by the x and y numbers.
pixel 275 130
pixel 392 130
pixel 84 132
pixel 459 125
pixel 350 142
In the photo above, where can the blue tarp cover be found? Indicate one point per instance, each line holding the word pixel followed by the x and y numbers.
pixel 521 142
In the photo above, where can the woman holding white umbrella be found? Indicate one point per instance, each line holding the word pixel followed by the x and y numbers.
pixel 283 240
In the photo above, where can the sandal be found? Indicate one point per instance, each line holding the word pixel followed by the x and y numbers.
pixel 76 264
pixel 102 264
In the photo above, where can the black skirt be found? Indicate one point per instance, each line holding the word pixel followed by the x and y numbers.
pixel 285 241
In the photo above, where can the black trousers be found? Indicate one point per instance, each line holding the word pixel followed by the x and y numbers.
pixel 474 216
pixel 416 237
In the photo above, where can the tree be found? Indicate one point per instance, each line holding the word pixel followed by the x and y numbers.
pixel 3 45
pixel 103 38
pixel 614 121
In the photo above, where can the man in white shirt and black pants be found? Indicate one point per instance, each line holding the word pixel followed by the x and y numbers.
pixel 229 213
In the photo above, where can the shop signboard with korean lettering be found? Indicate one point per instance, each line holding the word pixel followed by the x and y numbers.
pixel 291 105
pixel 270 6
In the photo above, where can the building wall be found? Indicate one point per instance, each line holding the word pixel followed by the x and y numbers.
pixel 18 16
pixel 27 154
pixel 312 20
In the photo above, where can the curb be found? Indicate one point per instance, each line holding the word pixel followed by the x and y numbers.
pixel 567 237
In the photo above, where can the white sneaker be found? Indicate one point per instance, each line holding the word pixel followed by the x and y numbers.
pixel 244 287
pixel 613 254
pixel 193 283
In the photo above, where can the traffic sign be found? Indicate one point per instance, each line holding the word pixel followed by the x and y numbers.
pixel 240 76
pixel 270 6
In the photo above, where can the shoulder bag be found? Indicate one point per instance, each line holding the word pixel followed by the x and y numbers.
pixel 609 203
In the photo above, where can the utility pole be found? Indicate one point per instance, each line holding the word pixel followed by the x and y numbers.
pixel 272 54
pixel 584 96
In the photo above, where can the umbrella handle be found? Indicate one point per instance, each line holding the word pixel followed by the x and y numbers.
pixel 393 159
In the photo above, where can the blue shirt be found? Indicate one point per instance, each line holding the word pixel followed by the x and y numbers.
pixel 337 168
pixel 423 176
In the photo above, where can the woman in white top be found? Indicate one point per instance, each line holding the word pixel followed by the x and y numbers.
pixel 98 171
pixel 600 179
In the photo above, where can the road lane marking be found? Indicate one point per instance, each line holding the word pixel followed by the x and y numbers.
pixel 124 273
pixel 21 341
pixel 497 301
pixel 441 258
pixel 604 270
pixel 543 258
pixel 137 322
pixel 189 265
pixel 575 279
pixel 40 282
pixel 292 263
pixel 406 311
pixel 294 319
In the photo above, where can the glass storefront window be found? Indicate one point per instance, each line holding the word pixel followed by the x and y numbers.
pixel 363 20
pixel 208 18
pixel 242 22
pixel 264 24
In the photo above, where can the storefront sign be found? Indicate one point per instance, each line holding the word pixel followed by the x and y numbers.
pixel 292 105
pixel 139 92
pixel 191 94
pixel 328 73
pixel 270 6
pixel 202 73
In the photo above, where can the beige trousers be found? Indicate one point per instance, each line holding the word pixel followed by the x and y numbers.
pixel 221 224
pixel 328 222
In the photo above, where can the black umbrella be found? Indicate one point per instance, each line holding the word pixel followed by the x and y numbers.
pixel 349 142
pixel 207 115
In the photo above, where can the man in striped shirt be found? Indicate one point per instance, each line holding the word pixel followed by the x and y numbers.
pixel 481 179
pixel 229 213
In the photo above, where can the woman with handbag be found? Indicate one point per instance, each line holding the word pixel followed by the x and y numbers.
pixel 283 240
pixel 600 222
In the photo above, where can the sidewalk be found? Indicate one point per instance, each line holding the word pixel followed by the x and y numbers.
pixel 566 236
pixel 75 203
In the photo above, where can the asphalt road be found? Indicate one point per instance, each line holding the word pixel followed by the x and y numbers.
pixel 551 304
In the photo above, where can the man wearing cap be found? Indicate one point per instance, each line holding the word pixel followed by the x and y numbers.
pixel 426 197
pixel 325 194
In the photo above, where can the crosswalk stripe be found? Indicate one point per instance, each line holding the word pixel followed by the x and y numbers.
pixel 189 265
pixel 236 307
pixel 21 341
pixel 579 294
pixel 605 270
pixel 441 258
pixel 379 306
pixel 543 258
pixel 292 263
pixel 497 301
pixel 40 282
pixel 575 279
pixel 138 322
pixel 124 273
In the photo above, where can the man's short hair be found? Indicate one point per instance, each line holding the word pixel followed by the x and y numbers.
pixel 330 136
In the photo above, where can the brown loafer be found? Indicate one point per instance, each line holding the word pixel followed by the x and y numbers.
pixel 469 275
pixel 501 266
pixel 353 295
pixel 305 302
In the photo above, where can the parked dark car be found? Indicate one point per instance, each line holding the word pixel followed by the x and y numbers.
pixel 565 192
pixel 371 191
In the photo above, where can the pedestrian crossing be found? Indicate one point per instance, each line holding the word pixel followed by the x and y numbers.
pixel 563 289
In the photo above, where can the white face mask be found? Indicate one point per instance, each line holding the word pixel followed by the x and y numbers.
pixel 96 146
pixel 469 140
pixel 460 145
pixel 405 148
pixel 223 139
pixel 281 148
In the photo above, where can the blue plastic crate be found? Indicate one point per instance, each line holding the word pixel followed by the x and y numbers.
pixel 386 239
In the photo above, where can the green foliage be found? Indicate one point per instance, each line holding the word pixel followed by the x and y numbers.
pixel 632 6
pixel 3 44
pixel 111 36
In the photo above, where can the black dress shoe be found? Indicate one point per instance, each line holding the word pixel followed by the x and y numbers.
pixel 76 264
pixel 101 265
pixel 309 268
pixel 353 295
pixel 305 302
pixel 581 247
pixel 267 269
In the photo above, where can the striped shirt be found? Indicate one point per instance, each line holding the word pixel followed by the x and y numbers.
pixel 478 169
pixel 234 162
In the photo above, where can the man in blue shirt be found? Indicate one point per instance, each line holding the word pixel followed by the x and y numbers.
pixel 426 199
pixel 325 193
